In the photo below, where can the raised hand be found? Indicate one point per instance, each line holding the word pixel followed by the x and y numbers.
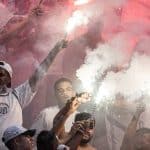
pixel 63 43
pixel 140 107
pixel 73 105
pixel 84 97
pixel 78 126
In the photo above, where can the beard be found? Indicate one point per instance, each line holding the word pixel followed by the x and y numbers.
pixel 5 85
pixel 3 89
pixel 4 81
pixel 85 141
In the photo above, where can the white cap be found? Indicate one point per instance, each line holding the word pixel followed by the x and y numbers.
pixel 14 131
pixel 7 67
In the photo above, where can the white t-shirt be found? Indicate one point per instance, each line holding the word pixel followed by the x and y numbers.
pixel 44 121
pixel 11 106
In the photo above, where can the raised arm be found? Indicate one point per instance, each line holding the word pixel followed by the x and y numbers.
pixel 131 130
pixel 60 119
pixel 70 107
pixel 43 67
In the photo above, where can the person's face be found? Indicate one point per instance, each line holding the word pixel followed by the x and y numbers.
pixel 64 91
pixel 4 77
pixel 88 135
pixel 25 142
pixel 143 141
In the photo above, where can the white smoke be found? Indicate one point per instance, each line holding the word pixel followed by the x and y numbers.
pixel 116 72
pixel 107 57
pixel 77 19
pixel 52 28
pixel 132 83
pixel 121 63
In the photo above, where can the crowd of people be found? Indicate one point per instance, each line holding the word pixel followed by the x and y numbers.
pixel 60 127
pixel 51 134
pixel 49 131
pixel 65 126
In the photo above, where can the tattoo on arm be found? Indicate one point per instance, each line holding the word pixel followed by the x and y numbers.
pixel 43 67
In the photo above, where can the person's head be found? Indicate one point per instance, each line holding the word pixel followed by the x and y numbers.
pixel 46 140
pixel 5 74
pixel 90 125
pixel 142 139
pixel 63 90
pixel 17 137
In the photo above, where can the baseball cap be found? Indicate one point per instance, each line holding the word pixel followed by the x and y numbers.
pixel 6 67
pixel 14 131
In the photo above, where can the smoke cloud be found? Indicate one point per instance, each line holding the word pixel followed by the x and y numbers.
pixel 119 65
